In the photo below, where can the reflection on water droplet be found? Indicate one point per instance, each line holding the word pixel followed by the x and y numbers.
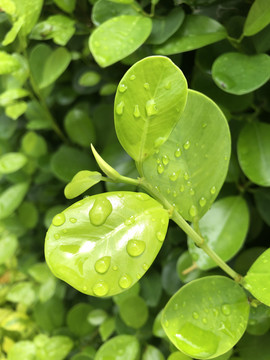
pixel 192 192
pixel 151 107
pixel 160 168
pixel 130 220
pixel 168 85
pixel 120 108
pixel 213 190
pixel 195 315
pixel 186 145
pixel 73 220
pixel 177 152
pixel 146 86
pixel 193 211
pixel 161 236
pixel 202 201
pixel 174 176
pixel 226 309
pixel 122 88
pixel 182 188
pixel 102 265
pixel 186 176
pixel 100 211
pixel 165 159
pixel 56 236
pixel 125 281
pixel 101 288
pixel 115 267
pixel 215 311
pixel 136 111
pixel 135 247
pixel 133 77
pixel 59 219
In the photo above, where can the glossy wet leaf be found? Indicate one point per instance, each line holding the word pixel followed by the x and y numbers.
pixel 149 101
pixel 118 37
pixel 12 162
pixel 224 228
pixel 11 198
pixel 239 74
pixel 210 327
pixel 8 63
pixel 196 31
pixel 253 149
pixel 258 17
pixel 190 167
pixel 53 348
pixel 257 280
pixel 33 144
pixel 259 320
pixel 104 244
pixel 121 347
pixel 134 311
pixel 165 27
pixel 81 182
pixel 152 353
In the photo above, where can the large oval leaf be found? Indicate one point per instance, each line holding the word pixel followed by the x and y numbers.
pixel 258 17
pixel 118 37
pixel 209 327
pixel 224 227
pixel 103 244
pixel 149 101
pixel 253 149
pixel 190 167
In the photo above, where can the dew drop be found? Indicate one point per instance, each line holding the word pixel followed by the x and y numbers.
pixel 202 201
pixel 193 211
pixel 145 266
pixel 174 193
pixel 165 159
pixel 186 176
pixel 166 323
pixel 161 236
pixel 204 125
pixel 136 112
pixel 195 315
pixel 120 108
pixel 168 191
pixel 101 288
pixel 151 107
pixel 135 247
pixel 56 236
pixel 182 188
pixel 204 320
pixel 168 86
pixel 174 176
pixel 226 309
pixel 132 77
pixel 188 183
pixel 59 219
pixel 102 265
pixel 186 145
pixel 146 86
pixel 73 220
pixel 100 211
pixel 122 88
pixel 177 153
pixel 213 190
pixel 130 220
pixel 115 267
pixel 215 311
pixel 160 168
pixel 125 281
pixel 191 191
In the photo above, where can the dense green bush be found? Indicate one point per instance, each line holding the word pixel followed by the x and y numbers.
pixel 75 73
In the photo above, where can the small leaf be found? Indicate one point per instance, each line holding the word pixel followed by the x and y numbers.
pixel 197 31
pixel 118 37
pixel 210 327
pixel 97 317
pixel 152 353
pixel 107 328
pixel 77 320
pixel 89 78
pixel 66 5
pixel 11 198
pixel 239 74
pixel 258 17
pixel 134 311
pixel 53 348
pixel 149 101
pixel 103 244
pixel 8 63
pixel 123 346
pixel 14 111
pixel 253 149
pixel 81 182
pixel 257 280
pixel 12 162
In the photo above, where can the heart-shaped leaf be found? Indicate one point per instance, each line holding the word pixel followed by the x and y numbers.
pixel 149 101
pixel 210 327
pixel 103 244
pixel 81 182
pixel 190 167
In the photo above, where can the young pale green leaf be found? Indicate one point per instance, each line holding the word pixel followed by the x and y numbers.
pixel 8 63
pixel 240 74
pixel 224 228
pixel 22 349
pixel 190 167
pixel 258 17
pixel 134 311
pixel 34 145
pixel 7 97
pixel 97 317
pixel 106 168
pixel 29 10
pixel 11 199
pixel 121 347
pixel 209 327
pixel 107 328
pixel 103 244
pixel 257 280
pixel 15 110
pixel 66 5
pixel 197 31
pixel 149 101
pixel 8 246
pixel 259 320
pixel 12 162
pixel 253 149
pixel 118 37
pixel 165 27
pixel 152 353
pixel 81 182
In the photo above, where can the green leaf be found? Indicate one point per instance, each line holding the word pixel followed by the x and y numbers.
pixel 11 198
pixel 98 245
pixel 123 346
pixel 49 315
pixel 29 11
pixel 118 37
pixel 239 74
pixel 165 27
pixel 210 327
pixel 134 311
pixel 197 31
pixel 257 280
pixel 107 328
pixel 149 101
pixel 81 182
pixel 28 214
pixel 104 10
pixel 7 127
pixel 253 149
pixel 8 247
pixel 185 262
pixel 258 17
pixel 79 127
pixel 89 78
pixel 13 32
pixel 177 355
pixel 77 319
pixel 190 167
pixel 224 228
pixel 53 348
pixel 253 347
pixel 66 5
pixel 7 97
pixel 23 293
pixel 97 317
pixel 34 145
pixel 152 353
pixel 8 63
pixel 262 199
pixel 37 117
pixel 11 162
pixel 14 111
pixel 151 289
pixel 22 349
pixel 259 320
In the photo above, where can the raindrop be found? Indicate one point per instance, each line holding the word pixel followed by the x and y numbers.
pixel 174 176
pixel 151 107
pixel 226 309
pixel 133 77
pixel 174 193
pixel 160 168
pixel 59 219
pixel 101 288
pixel 177 152
pixel 120 108
pixel 161 236
pixel 168 85
pixel 213 190
pixel 186 176
pixel 125 281
pixel 73 220
pixel 56 236
pixel 136 111
pixel 100 211
pixel 191 191
pixel 122 88
pixel 142 196
pixel 145 266
pixel 165 159
pixel 102 265
pixel 130 220
pixel 188 183
pixel 146 86
pixel 193 211
pixel 182 188
pixel 135 247
pixel 204 125
pixel 202 201
pixel 204 320
pixel 195 315
pixel 186 145
pixel 115 267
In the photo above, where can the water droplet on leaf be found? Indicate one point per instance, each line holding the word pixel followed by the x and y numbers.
pixel 101 288
pixel 73 220
pixel 193 211
pixel 165 159
pixel 151 107
pixel 135 247
pixel 174 176
pixel 132 77
pixel 125 281
pixel 202 201
pixel 160 168
pixel 59 219
pixel 136 111
pixel 102 265
pixel 186 176
pixel 120 108
pixel 186 145
pixel 226 309
pixel 177 152
pixel 56 236
pixel 213 190
pixel 122 88
pixel 168 85
pixel 195 315
pixel 146 86
pixel 161 236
